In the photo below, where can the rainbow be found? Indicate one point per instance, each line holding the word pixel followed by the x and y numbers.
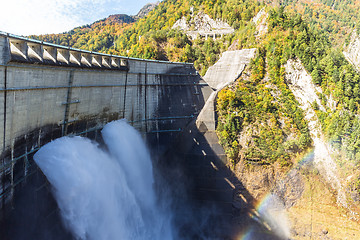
pixel 261 206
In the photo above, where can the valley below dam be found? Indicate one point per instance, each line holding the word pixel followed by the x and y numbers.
pixel 309 199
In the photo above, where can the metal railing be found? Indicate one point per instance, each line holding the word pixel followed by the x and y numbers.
pixel 33 41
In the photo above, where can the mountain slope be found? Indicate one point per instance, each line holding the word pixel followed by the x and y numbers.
pixel 98 36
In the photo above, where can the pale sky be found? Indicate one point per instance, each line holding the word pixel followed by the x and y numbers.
pixel 26 17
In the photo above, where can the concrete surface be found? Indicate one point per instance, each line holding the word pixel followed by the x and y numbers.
pixel 224 72
pixel 48 91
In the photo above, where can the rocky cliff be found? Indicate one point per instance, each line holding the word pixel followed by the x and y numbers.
pixel 261 24
pixel 352 51
pixel 145 10
pixel 305 91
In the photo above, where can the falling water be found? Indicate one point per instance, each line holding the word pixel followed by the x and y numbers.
pixel 105 194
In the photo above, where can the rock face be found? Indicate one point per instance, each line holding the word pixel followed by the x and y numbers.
pixel 202 24
pixel 352 51
pixel 260 22
pixel 300 83
pixel 145 10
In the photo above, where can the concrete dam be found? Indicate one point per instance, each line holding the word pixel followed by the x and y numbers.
pixel 48 91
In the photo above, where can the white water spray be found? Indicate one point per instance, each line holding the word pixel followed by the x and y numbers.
pixel 273 214
pixel 105 195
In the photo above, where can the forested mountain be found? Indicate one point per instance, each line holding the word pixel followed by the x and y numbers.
pixel 330 16
pixel 98 36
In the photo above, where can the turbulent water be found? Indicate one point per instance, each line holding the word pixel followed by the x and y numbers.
pixel 105 194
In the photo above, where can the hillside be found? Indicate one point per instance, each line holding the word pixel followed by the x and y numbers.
pixel 335 18
pixel 98 36
pixel 137 37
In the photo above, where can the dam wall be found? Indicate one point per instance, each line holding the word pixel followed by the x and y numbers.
pixel 48 91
